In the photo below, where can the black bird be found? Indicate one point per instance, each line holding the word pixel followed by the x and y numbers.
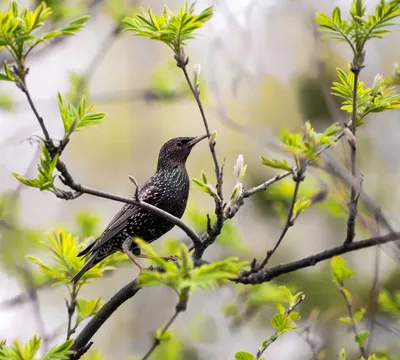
pixel 168 189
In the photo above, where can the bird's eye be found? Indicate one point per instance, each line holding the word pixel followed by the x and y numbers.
pixel 179 144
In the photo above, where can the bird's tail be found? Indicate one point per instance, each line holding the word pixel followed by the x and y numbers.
pixel 92 261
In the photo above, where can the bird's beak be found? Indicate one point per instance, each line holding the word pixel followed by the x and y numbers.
pixel 195 140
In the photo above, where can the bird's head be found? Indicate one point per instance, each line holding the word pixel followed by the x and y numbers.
pixel 175 151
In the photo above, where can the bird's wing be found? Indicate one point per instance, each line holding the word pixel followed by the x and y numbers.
pixel 120 219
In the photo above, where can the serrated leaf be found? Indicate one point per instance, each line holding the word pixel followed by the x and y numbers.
pixel 340 271
pixel 280 308
pixel 359 315
pixel 172 29
pixel 361 337
pixel 301 205
pixel 345 320
pixel 59 351
pixel 243 355
pixel 276 164
pixel 288 294
pixel 88 308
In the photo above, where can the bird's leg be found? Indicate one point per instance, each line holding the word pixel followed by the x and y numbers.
pixel 126 249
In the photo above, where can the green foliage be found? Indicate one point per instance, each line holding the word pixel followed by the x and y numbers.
pixel 18 31
pixel 305 145
pixel 88 308
pixel 64 249
pixel 283 321
pixel 77 118
pixel 172 29
pixel 380 97
pixel 184 276
pixel 340 271
pixel 361 337
pixel 205 187
pixel 243 355
pixel 46 167
pixel 390 303
pixel 301 205
pixel 276 164
pixel 359 28
pixel 18 351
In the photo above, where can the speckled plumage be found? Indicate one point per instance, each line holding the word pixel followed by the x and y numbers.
pixel 168 189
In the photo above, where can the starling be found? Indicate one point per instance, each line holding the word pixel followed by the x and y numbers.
pixel 168 189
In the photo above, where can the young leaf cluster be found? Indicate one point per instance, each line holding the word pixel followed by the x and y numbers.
pixel 204 186
pixel 303 145
pixel 64 249
pixel 172 29
pixel 184 276
pixel 18 351
pixel 46 167
pixel 340 273
pixel 359 28
pixel 380 97
pixel 18 32
pixel 236 198
pixel 390 303
pixel 283 322
pixel 77 118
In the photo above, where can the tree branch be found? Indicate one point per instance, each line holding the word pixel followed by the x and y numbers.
pixel 351 222
pixel 265 275
pixel 82 340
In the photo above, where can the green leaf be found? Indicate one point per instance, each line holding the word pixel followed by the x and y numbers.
pixel 390 303
pixel 361 337
pixel 359 315
pixel 294 316
pixel 276 164
pixel 172 29
pixel 301 205
pixel 243 355
pixel 340 271
pixel 207 188
pixel 60 352
pixel 46 167
pixel 288 294
pixel 280 308
pixel 64 263
pixel 88 308
pixel 282 323
pixel 342 355
pixel 346 320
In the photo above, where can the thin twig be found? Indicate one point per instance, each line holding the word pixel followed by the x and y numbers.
pixel 180 307
pixel 274 337
pixel 351 222
pixel 374 291
pixel 71 307
pixel 182 62
pixel 265 275
pixel 353 322
pixel 289 221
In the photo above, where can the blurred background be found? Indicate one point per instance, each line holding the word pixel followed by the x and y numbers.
pixel 264 69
